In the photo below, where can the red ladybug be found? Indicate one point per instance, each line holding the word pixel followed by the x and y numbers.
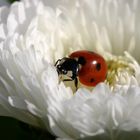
pixel 90 67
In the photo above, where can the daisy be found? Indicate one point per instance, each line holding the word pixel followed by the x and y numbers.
pixel 34 34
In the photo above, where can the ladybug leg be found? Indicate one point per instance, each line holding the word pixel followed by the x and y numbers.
pixel 57 62
pixel 65 80
pixel 76 83
pixel 74 77
pixel 68 80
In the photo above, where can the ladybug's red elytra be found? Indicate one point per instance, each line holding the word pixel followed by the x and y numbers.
pixel 90 67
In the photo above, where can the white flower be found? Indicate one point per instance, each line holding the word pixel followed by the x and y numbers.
pixel 98 113
pixel 35 33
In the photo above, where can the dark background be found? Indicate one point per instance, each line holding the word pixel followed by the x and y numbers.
pixel 12 129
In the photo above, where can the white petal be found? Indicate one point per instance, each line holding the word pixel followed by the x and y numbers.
pixel 36 33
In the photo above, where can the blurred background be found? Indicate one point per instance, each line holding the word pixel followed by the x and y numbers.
pixel 6 2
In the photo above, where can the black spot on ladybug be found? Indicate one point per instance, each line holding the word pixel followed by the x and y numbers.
pixel 92 80
pixel 98 66
pixel 81 60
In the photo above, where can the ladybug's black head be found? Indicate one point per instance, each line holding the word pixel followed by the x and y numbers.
pixel 65 65
pixel 60 66
pixel 61 69
pixel 70 67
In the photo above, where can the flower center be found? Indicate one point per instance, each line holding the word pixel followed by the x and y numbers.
pixel 120 70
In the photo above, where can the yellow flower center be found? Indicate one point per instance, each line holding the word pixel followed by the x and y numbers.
pixel 120 69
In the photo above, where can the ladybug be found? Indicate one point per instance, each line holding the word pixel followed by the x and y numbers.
pixel 88 66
